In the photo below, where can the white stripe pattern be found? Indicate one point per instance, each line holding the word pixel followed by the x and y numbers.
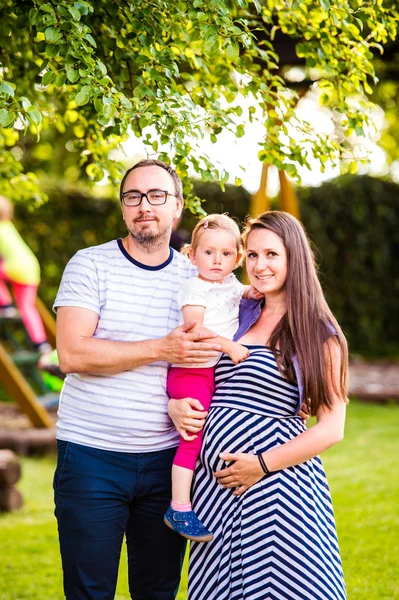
pixel 278 540
pixel 126 411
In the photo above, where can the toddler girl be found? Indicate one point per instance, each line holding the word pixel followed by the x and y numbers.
pixel 19 267
pixel 212 300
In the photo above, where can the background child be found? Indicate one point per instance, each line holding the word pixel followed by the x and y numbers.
pixel 212 300
pixel 20 268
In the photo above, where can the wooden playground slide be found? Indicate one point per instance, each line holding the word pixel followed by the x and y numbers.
pixel 13 379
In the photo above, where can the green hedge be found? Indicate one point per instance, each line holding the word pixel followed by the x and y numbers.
pixel 353 221
pixel 69 221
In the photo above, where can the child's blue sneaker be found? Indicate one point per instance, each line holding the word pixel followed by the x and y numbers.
pixel 188 525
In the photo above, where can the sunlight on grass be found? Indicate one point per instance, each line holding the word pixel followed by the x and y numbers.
pixel 363 476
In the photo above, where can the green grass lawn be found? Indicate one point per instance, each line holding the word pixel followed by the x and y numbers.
pixel 364 478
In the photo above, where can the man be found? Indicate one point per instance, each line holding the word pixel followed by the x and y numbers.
pixel 117 331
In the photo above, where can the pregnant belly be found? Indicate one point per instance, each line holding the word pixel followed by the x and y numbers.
pixel 234 431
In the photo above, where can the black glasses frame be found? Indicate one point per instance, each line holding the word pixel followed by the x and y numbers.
pixel 145 194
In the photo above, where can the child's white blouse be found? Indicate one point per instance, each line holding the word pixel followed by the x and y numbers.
pixel 221 302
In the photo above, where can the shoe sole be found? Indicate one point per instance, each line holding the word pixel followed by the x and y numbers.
pixel 205 538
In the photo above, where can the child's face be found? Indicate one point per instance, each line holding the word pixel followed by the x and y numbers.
pixel 216 255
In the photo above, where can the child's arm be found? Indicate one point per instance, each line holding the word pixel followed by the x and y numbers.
pixel 194 313
pixel 237 352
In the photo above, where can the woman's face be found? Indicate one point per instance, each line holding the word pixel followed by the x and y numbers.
pixel 266 261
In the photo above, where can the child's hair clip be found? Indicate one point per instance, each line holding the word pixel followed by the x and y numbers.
pixel 206 224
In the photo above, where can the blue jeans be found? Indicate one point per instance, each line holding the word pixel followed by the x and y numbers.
pixel 102 495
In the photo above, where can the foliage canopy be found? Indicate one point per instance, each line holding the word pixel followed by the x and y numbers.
pixel 174 71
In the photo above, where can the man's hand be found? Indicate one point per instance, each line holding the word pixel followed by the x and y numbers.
pixel 244 472
pixel 187 415
pixel 183 346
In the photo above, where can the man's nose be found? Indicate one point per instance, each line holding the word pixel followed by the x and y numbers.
pixel 145 206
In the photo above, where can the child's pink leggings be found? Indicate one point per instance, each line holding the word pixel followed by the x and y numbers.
pixel 191 383
pixel 25 298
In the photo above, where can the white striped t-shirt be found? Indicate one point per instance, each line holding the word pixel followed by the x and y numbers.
pixel 125 411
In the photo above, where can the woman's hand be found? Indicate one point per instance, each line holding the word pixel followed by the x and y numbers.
pixel 244 472
pixel 304 413
pixel 188 415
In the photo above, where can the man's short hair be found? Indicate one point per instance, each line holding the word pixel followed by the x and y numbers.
pixel 152 162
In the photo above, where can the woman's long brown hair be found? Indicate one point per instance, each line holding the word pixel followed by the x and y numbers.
pixel 306 325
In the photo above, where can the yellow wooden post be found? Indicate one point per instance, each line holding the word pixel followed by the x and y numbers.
pixel 260 202
pixel 21 392
pixel 48 321
pixel 288 198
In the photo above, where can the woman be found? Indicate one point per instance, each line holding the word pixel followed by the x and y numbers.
pixel 260 485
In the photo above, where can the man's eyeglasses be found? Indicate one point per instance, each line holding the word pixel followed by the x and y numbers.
pixel 154 197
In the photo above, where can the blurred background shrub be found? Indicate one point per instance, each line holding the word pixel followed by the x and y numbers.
pixel 353 222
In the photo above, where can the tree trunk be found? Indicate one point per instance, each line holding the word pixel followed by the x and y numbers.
pixel 10 469
pixel 10 498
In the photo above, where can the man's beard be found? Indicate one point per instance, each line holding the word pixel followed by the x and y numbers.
pixel 150 240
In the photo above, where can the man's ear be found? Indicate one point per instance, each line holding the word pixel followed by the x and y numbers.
pixel 179 208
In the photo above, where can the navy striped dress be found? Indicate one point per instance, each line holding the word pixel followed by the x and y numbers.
pixel 278 540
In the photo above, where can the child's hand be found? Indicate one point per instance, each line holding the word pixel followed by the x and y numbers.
pixel 253 294
pixel 238 353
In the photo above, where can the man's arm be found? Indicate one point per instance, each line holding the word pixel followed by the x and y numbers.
pixel 80 352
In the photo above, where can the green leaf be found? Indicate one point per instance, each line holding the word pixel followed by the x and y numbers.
pixel 211 45
pixel 140 91
pixel 52 35
pixel 95 172
pixel 33 16
pixel 48 78
pixel 51 50
pixel 26 103
pixel 6 118
pixel 72 74
pixel 83 96
pixel 232 52
pixel 126 103
pixel 325 4
pixel 74 12
pixel 359 22
pixel 109 111
pixel 102 67
pixel 60 79
pixel 91 40
pixel 7 89
pixel 47 8
pixel 240 131
pixel 34 115
pixel 98 105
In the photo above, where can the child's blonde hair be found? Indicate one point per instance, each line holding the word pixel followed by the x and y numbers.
pixel 213 222
pixel 6 209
